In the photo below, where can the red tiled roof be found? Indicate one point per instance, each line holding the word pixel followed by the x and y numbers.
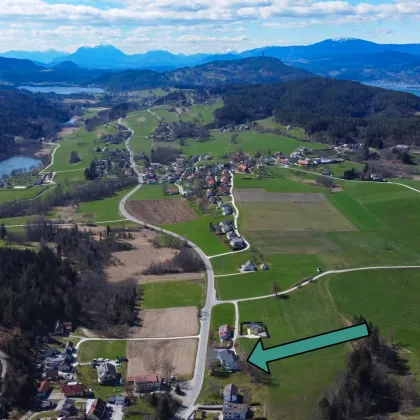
pixel 150 377
pixel 73 389
pixel 44 387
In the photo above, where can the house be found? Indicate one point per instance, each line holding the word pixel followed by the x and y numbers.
pixel 230 393
pixel 228 359
pixel 295 155
pixel 43 390
pixel 65 367
pixel 256 329
pixel 377 178
pixel 55 362
pixel 227 210
pixel 188 193
pixel 263 266
pixel 225 332
pixel 326 172
pixel 241 168
pixel 52 374
pixel 66 408
pixel 248 266
pixel 96 409
pixel 146 383
pixel 303 162
pixel 232 235
pixel 224 190
pixel 69 347
pixel 155 166
pixel 238 243
pixel 234 411
pixel 121 400
pixel 48 353
pixel 37 182
pixel 46 405
pixel 210 193
pixel 73 390
pixel 107 372
pixel 226 226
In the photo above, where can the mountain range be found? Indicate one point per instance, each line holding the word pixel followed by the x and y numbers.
pixel 353 59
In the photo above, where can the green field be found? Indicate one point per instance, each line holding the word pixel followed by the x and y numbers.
pixel 221 314
pixel 101 349
pixel 103 210
pixel 172 294
pixel 7 195
pixel 198 232
pixel 152 192
pixel 201 113
pixel 82 142
pixel 285 270
pixel 142 123
pixel 295 132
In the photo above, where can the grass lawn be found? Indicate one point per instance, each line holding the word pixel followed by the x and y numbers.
pixel 248 141
pixel 298 382
pixel 142 123
pixel 296 132
pixel 198 232
pixel 76 176
pixel 88 376
pixel 101 349
pixel 285 270
pixel 221 314
pixel 202 113
pixel 387 298
pixel 152 192
pixel 8 195
pixel 103 210
pixel 82 142
pixel 173 294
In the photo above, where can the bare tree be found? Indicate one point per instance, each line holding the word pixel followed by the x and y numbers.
pixel 168 368
pixel 154 361
pixel 275 288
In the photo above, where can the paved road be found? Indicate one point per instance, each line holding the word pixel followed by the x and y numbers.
pixel 193 387
pixel 52 159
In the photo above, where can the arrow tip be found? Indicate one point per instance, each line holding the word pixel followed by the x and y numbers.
pixel 257 357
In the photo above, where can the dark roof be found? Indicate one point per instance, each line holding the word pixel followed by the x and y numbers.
pixel 97 408
pixel 73 389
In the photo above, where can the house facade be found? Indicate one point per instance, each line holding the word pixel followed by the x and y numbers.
pixel 232 411
pixel 146 383
pixel 107 372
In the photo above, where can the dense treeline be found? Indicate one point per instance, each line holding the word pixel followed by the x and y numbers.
pixel 36 290
pixel 165 155
pixel 329 110
pixel 369 387
pixel 61 196
pixel 27 115
pixel 104 117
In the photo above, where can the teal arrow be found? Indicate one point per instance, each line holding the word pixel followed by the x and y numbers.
pixel 260 357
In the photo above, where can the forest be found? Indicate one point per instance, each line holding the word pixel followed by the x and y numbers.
pixel 329 110
pixel 62 196
pixel 29 116
pixel 66 281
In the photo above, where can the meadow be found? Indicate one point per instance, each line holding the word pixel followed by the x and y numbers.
pixel 152 192
pixel 296 131
pixel 201 113
pixel 221 314
pixel 197 231
pixel 172 294
pixel 142 123
pixel 83 142
pixel 101 349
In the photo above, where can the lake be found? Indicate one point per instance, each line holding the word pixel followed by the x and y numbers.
pixel 415 90
pixel 61 90
pixel 17 162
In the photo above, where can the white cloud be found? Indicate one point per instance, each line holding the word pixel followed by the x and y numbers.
pixel 383 31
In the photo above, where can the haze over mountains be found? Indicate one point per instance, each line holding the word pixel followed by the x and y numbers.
pixel 350 59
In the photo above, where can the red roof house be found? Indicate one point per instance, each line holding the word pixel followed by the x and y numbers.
pixel 43 390
pixel 73 390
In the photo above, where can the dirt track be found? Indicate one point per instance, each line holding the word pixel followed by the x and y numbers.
pixel 181 353
pixel 170 322
pixel 259 194
pixel 159 212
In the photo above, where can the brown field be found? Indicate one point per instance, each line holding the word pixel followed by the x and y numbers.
pixel 170 322
pixel 66 131
pixel 157 212
pixel 181 353
pixel 258 194
pixel 289 212
pixel 132 263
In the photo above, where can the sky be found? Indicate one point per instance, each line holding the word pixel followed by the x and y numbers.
pixel 208 26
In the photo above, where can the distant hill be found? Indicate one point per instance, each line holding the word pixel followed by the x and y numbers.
pixel 252 70
pixel 44 57
pixel 12 64
pixel 390 66
pixel 329 110
pixel 244 71
pixel 66 65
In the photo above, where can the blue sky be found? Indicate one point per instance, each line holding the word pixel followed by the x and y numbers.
pixel 189 26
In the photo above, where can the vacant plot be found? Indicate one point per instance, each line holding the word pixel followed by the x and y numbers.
pixel 222 314
pixel 173 294
pixel 171 322
pixel 259 194
pixel 106 349
pixel 132 263
pixel 157 212
pixel 271 242
pixel 181 353
pixel 260 210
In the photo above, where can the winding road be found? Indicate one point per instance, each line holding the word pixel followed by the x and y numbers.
pixel 193 387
